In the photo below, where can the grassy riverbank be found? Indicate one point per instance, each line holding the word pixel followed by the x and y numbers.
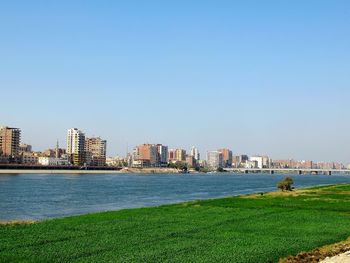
pixel 255 228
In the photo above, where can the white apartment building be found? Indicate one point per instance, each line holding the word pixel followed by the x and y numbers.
pixel 262 161
pixel 52 161
pixel 195 153
pixel 76 146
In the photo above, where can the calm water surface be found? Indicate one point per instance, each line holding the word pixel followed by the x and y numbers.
pixel 41 196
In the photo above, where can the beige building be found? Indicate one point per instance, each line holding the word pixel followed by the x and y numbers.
pixel 29 158
pixel 171 155
pixel 25 148
pixel 95 149
pixel 9 141
pixel 180 155
pixel 116 161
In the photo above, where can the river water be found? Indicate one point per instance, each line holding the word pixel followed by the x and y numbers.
pixel 41 196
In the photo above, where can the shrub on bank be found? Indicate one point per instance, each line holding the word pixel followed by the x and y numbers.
pixel 286 184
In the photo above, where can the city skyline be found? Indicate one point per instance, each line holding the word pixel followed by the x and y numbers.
pixel 263 78
pixel 97 147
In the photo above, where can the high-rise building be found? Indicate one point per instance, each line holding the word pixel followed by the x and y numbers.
pixel 95 150
pixel 9 141
pixel 195 153
pixel 162 155
pixel 145 155
pixel 227 157
pixel 76 146
pixel 180 155
pixel 171 155
pixel 215 159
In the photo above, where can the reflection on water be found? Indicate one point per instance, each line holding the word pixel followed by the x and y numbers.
pixel 40 196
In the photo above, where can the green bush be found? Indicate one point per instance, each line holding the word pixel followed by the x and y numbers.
pixel 220 170
pixel 286 184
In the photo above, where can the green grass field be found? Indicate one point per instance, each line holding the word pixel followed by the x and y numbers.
pixel 238 229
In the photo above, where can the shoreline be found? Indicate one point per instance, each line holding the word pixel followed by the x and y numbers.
pixel 53 171
pixel 67 171
pixel 125 170
pixel 251 195
pixel 277 192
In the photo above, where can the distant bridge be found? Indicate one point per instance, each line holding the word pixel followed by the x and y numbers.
pixel 287 170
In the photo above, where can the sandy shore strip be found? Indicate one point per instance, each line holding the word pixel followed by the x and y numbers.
pixel 342 258
pixel 333 253
pixel 16 222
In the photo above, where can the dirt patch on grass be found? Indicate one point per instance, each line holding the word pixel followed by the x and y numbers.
pixel 301 192
pixel 311 192
pixel 334 200
pixel 16 222
pixel 319 254
pixel 340 193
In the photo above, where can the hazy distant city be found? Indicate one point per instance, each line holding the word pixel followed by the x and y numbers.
pixel 83 151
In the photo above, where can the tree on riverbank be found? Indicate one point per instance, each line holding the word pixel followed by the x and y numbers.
pixel 286 184
pixel 178 165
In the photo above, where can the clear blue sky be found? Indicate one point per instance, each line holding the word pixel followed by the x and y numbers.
pixel 259 77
